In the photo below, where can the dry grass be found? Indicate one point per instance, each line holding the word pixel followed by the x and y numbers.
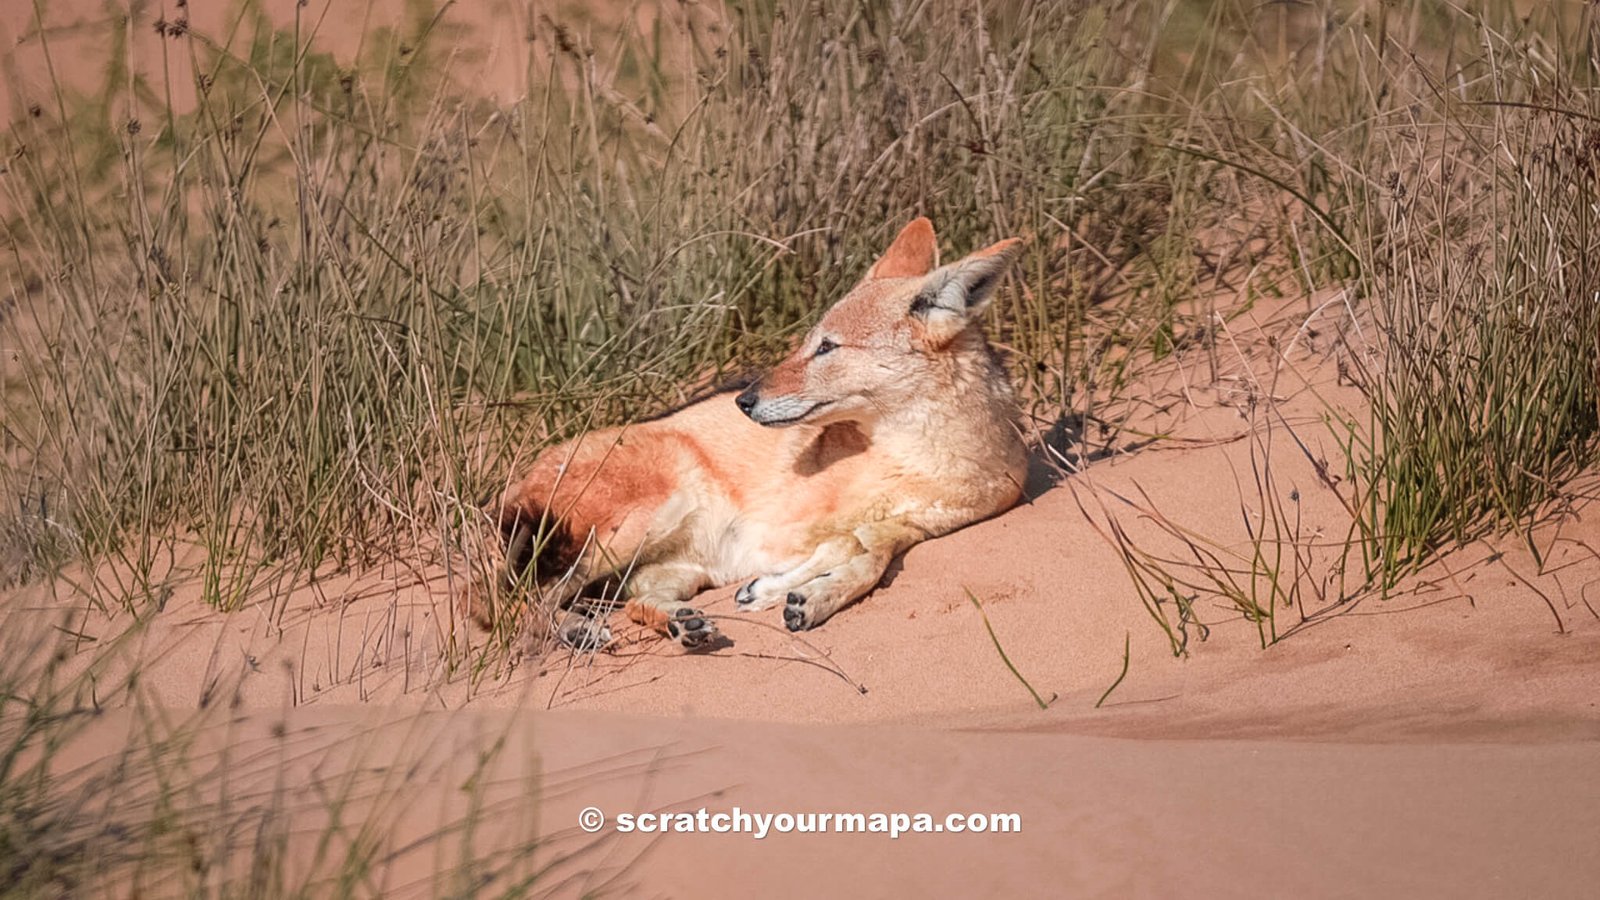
pixel 1446 158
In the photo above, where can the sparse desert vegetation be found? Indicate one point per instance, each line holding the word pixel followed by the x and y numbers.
pixel 277 316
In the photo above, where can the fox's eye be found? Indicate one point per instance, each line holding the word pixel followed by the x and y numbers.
pixel 826 345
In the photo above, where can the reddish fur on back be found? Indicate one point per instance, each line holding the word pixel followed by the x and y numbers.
pixel 592 487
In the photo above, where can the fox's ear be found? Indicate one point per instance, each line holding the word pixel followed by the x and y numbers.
pixel 914 252
pixel 952 297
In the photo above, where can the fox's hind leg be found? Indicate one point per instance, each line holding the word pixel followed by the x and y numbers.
pixel 541 573
pixel 658 598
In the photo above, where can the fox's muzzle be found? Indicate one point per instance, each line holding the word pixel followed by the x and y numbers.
pixel 774 412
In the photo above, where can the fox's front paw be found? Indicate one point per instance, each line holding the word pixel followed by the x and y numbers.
pixel 691 627
pixel 796 615
pixel 758 595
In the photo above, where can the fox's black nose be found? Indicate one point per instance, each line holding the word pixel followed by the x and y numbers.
pixel 748 399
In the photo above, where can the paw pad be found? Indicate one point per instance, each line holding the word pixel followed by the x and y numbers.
pixel 794 613
pixel 690 627
pixel 585 634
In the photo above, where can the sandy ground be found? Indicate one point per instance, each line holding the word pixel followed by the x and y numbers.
pixel 1099 816
pixel 1441 741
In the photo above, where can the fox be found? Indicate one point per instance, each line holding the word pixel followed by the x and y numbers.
pixel 893 421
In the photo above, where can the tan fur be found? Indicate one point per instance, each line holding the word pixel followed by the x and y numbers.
pixel 901 429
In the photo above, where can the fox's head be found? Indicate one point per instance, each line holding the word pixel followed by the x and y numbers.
pixel 878 348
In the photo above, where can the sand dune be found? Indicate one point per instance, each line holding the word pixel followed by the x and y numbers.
pixel 1436 742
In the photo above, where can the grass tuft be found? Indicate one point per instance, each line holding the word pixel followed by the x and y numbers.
pixel 1043 703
